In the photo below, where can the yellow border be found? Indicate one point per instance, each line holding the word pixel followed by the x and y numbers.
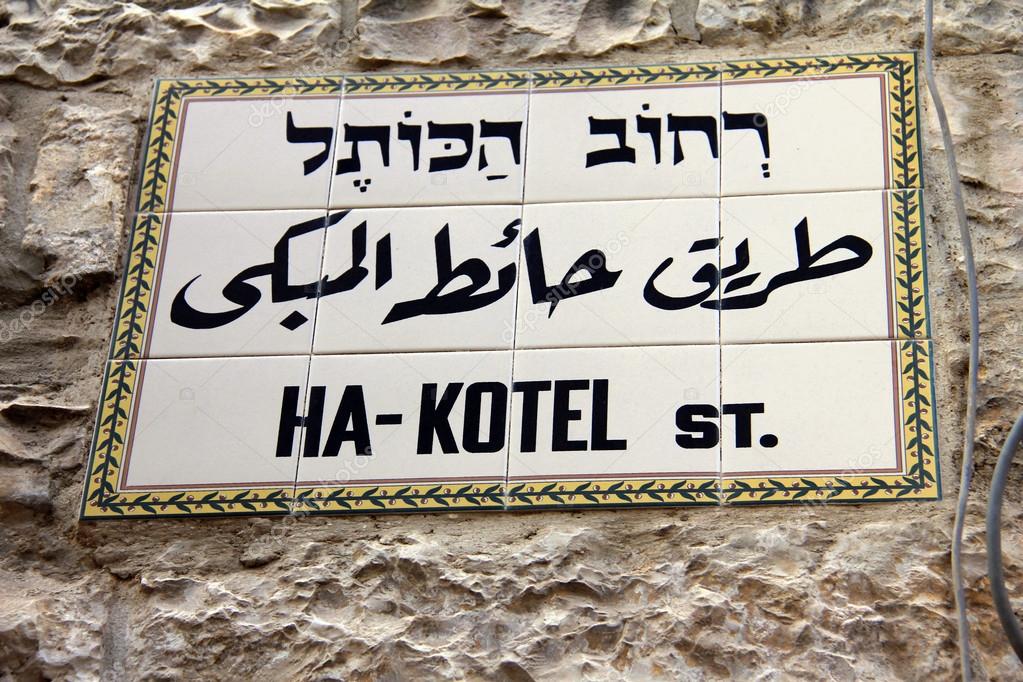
pixel 908 277
pixel 613 493
pixel 439 496
pixel 622 76
pixel 808 67
pixel 414 83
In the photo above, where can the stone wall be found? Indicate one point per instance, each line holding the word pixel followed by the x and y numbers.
pixel 848 593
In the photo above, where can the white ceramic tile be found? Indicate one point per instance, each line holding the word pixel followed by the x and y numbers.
pixel 234 153
pixel 591 266
pixel 219 275
pixel 621 143
pixel 430 149
pixel 212 422
pixel 422 417
pixel 840 290
pixel 599 413
pixel 449 285
pixel 809 408
pixel 803 135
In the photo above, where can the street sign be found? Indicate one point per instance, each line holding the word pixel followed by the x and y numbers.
pixel 693 284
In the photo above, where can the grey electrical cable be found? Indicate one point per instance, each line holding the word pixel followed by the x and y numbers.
pixel 994 540
pixel 971 394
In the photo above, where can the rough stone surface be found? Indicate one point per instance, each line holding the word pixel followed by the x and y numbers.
pixel 845 593
pixel 78 191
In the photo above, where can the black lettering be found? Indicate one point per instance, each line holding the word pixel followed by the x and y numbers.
pixel 314 422
pixel 598 429
pixel 472 440
pixel 530 391
pixel 563 415
pixel 290 420
pixel 707 434
pixel 743 421
pixel 352 409
pixel 433 418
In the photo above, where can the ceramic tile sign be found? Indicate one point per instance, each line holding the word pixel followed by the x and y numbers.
pixel 694 284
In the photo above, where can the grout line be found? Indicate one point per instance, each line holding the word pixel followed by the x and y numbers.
pixel 316 308
pixel 515 307
pixel 635 346
pixel 720 344
pixel 622 199
pixel 601 200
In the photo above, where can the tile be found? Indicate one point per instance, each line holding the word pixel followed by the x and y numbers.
pixel 784 135
pixel 860 275
pixel 194 437
pixel 436 278
pixel 234 283
pixel 251 152
pixel 624 133
pixel 418 147
pixel 614 427
pixel 842 421
pixel 405 432
pixel 588 273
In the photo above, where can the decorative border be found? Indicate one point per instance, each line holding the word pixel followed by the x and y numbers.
pixel 909 265
pixel 920 478
pixel 620 76
pixel 409 83
pixel 101 498
pixel 689 492
pixel 376 499
pixel 900 72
